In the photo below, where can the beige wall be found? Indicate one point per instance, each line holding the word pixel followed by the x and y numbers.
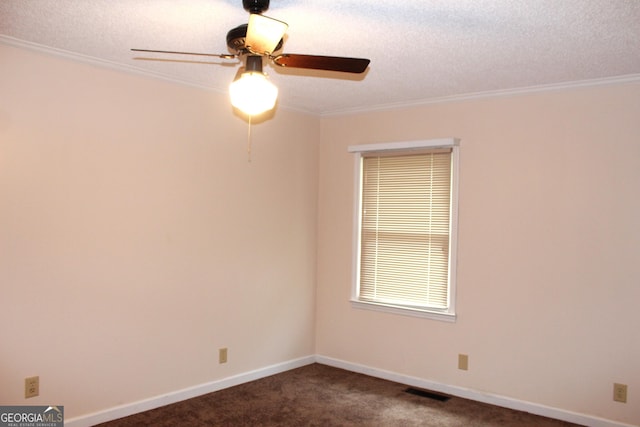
pixel 136 239
pixel 549 250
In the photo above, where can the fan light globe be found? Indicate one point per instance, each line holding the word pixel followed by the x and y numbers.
pixel 252 93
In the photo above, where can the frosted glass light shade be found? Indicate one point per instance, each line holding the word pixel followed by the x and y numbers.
pixel 252 93
pixel 264 33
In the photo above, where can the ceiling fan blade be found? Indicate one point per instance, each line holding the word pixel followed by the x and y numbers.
pixel 216 55
pixel 264 34
pixel 315 62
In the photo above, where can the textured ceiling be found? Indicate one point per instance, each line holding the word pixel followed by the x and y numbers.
pixel 420 50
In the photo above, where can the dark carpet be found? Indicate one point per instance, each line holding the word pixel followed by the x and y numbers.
pixel 320 395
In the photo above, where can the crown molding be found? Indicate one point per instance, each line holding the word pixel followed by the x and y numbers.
pixel 624 79
pixel 11 41
pixel 616 80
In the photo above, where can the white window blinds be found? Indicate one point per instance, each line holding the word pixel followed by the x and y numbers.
pixel 405 228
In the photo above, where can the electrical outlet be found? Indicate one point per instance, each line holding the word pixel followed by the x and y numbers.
pixel 463 362
pixel 31 387
pixel 620 392
pixel 222 355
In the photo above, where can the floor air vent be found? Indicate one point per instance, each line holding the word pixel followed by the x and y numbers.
pixel 428 394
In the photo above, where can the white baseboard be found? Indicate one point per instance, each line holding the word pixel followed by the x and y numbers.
pixel 187 393
pixel 199 390
pixel 497 400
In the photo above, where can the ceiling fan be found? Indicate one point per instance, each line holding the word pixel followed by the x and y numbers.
pixel 251 92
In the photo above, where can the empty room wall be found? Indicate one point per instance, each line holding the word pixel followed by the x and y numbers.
pixel 136 239
pixel 548 249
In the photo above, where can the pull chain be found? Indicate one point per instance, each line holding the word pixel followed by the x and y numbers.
pixel 249 142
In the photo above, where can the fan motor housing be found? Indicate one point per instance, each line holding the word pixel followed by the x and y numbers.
pixel 255 6
pixel 236 38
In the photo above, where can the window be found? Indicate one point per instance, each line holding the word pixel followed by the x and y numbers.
pixel 406 227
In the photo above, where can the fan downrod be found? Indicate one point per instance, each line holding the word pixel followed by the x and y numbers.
pixel 255 6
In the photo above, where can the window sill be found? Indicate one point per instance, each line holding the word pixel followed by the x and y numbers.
pixel 404 311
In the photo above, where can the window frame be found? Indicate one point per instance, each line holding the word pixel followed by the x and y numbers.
pixel 404 147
